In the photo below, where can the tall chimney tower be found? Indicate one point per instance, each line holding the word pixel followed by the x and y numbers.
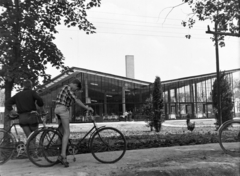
pixel 129 60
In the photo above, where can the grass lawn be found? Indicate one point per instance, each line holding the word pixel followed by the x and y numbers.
pixel 138 134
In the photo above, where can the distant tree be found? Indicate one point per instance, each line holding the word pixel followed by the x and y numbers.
pixel 157 104
pixel 27 31
pixel 226 94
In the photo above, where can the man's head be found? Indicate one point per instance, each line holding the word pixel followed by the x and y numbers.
pixel 27 84
pixel 76 84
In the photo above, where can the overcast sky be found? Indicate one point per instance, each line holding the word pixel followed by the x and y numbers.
pixel 157 41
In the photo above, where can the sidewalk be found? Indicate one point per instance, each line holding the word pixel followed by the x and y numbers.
pixel 196 160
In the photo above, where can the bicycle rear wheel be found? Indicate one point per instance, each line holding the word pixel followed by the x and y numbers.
pixel 7 146
pixel 108 140
pixel 42 149
pixel 229 137
pixel 52 142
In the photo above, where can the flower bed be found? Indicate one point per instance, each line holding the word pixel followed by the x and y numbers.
pixel 169 136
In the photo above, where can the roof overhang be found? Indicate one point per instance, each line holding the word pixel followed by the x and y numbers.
pixel 74 71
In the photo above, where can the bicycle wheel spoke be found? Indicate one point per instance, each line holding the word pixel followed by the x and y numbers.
pixel 108 140
pixel 52 146
pixel 41 150
pixel 7 146
pixel 230 138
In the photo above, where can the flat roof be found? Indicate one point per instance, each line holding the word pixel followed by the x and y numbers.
pixel 74 71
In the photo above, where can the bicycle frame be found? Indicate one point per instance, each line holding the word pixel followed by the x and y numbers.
pixel 92 131
pixel 16 131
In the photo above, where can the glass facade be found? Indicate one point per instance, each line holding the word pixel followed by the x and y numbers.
pixel 193 96
pixel 111 96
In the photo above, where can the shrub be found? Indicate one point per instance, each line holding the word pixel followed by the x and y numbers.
pixel 226 95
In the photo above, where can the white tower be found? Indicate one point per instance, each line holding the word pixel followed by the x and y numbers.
pixel 129 60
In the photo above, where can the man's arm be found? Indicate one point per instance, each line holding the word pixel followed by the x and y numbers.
pixel 9 103
pixel 80 103
pixel 38 99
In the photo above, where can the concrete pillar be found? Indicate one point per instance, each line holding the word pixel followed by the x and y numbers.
pixel 105 103
pixel 123 99
pixel 87 99
pixel 192 97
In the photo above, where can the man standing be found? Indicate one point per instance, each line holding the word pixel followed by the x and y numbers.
pixel 25 103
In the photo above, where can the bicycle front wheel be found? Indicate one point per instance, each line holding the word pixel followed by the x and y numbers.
pixel 7 146
pixel 42 149
pixel 229 137
pixel 108 145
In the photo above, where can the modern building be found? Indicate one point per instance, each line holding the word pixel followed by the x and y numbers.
pixel 111 95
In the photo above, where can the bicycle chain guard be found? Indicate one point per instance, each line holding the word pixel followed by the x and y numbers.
pixel 72 149
pixel 20 148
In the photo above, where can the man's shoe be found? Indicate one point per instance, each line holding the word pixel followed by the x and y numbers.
pixel 63 160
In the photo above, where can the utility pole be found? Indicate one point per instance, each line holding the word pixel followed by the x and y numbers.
pixel 216 33
pixel 217 68
pixel 218 74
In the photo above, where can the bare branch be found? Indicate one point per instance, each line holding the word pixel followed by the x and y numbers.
pixel 169 11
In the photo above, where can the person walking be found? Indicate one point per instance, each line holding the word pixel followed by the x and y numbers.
pixel 64 100
pixel 25 102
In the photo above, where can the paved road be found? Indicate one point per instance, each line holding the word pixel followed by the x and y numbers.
pixel 194 160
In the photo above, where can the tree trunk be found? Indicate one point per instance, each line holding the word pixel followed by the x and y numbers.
pixel 8 91
pixel 157 121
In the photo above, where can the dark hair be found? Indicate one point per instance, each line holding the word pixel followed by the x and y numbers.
pixel 27 84
pixel 78 83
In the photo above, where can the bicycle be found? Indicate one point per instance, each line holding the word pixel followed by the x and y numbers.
pixel 98 140
pixel 229 137
pixel 12 143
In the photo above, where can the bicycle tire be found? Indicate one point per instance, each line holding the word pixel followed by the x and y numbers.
pixel 7 146
pixel 108 139
pixel 52 140
pixel 41 149
pixel 229 137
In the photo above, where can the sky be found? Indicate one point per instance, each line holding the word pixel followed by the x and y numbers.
pixel 151 31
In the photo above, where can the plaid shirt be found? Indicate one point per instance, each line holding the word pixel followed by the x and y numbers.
pixel 65 96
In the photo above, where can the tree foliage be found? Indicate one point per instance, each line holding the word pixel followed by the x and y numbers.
pixel 226 95
pixel 225 13
pixel 27 31
pixel 27 35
